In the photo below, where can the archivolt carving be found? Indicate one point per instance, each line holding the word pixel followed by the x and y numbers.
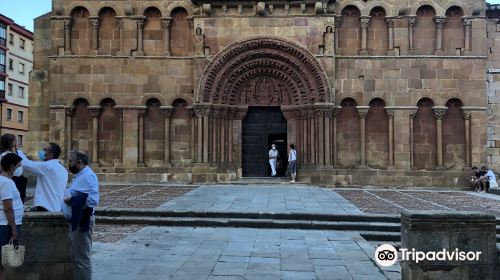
pixel 293 73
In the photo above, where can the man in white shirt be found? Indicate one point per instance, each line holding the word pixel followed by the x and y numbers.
pixel 273 157
pixel 52 178
pixel 489 175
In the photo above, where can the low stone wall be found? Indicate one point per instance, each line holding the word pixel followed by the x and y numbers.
pixel 48 255
pixel 434 231
pixel 312 175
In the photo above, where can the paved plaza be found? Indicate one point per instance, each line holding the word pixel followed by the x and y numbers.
pixel 151 252
pixel 237 253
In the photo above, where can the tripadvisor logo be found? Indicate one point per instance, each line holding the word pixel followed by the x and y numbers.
pixel 387 255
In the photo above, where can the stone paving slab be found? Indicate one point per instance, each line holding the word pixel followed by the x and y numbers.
pixel 277 199
pixel 237 253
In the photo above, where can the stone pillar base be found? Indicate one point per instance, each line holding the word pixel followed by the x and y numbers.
pixel 391 52
pixel 440 168
pixel 439 52
pixel 363 52
pixel 412 52
pixel 141 164
pixel 139 53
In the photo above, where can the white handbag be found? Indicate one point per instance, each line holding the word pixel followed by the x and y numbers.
pixel 12 257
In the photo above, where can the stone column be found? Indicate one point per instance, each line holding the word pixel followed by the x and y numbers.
pixel 166 22
pixel 230 136
pixel 467 35
pixel 468 140
pixel 412 20
pixel 320 126
pixel 94 112
pixel 198 112
pixel 94 24
pixel 68 25
pixel 215 151
pixel 390 25
pixel 365 20
pixel 440 22
pixel 166 111
pixel 338 25
pixel 413 115
pixel 141 21
pixel 433 231
pixel 362 112
pixel 312 133
pixel 121 24
pixel 140 122
pixel 206 119
pixel 304 133
pixel 439 113
pixel 328 153
pixel 121 141
pixel 69 121
pixel 222 141
pixel 334 136
pixel 390 116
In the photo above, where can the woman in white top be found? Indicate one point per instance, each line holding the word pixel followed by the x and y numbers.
pixel 11 208
pixel 292 166
pixel 8 144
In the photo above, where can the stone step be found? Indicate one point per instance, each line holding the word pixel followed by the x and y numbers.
pixel 116 212
pixel 250 223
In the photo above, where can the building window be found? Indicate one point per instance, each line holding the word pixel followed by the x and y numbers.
pixel 2 61
pixel 9 114
pixel 11 38
pixel 11 64
pixel 19 140
pixel 2 84
pixel 9 89
pixel 20 116
pixel 3 34
pixel 21 43
pixel 21 68
pixel 20 92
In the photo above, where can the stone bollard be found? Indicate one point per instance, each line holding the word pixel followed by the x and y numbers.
pixel 433 231
pixel 48 254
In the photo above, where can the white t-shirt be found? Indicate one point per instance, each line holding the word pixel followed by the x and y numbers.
pixel 8 190
pixel 292 156
pixel 492 178
pixel 273 153
pixel 51 181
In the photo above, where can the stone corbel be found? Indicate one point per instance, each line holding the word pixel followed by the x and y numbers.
pixel 363 111
pixel 166 111
pixel 439 112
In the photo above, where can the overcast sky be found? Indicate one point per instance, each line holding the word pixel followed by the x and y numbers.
pixel 24 11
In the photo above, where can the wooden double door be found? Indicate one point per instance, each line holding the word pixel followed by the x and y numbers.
pixel 262 127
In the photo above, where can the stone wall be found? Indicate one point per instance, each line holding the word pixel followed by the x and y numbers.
pixel 493 93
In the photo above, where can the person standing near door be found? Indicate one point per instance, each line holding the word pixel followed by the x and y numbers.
pixel 273 157
pixel 292 166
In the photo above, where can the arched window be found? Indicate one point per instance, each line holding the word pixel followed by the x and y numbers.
pixel 453 34
pixel 424 135
pixel 425 32
pixel 109 32
pixel 181 35
pixel 108 134
pixel 349 40
pixel 81 126
pixel 80 32
pixel 154 134
pixel 153 32
pixel 454 135
pixel 377 135
pixel 378 34
pixel 348 134
pixel 180 134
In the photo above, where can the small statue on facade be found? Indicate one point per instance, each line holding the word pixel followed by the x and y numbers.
pixel 329 43
pixel 199 42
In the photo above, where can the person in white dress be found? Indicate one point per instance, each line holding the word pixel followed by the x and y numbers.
pixel 273 157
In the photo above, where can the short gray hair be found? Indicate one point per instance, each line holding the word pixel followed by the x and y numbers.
pixel 79 155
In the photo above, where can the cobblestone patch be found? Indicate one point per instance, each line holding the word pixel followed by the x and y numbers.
pixel 139 196
pixel 113 233
pixel 395 201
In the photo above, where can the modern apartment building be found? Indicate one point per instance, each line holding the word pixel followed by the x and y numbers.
pixel 16 62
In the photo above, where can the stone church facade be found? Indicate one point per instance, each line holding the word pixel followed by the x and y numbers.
pixel 370 92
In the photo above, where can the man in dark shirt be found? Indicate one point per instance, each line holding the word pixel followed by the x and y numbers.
pixel 478 179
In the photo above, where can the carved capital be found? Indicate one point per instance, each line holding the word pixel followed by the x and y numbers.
pixel 68 23
pixel 166 22
pixel 202 110
pixel 412 20
pixel 166 111
pixel 439 22
pixel 338 22
pixel 121 23
pixel 390 21
pixel 94 22
pixel 94 111
pixel 439 113
pixel 69 111
pixel 140 23
pixel 363 112
pixel 390 113
pixel 413 114
pixel 467 115
pixel 467 22
pixel 365 20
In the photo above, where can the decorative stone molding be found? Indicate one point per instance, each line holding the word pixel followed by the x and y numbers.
pixel 467 22
pixel 287 65
pixel 363 111
pixel 318 8
pixel 439 112
pixel 201 110
pixel 68 23
pixel 141 22
pixel 390 21
pixel 207 9
pixel 467 115
pixel 413 114
pixel 260 9
pixel 390 113
pixel 69 111
pixel 94 22
pixel 94 110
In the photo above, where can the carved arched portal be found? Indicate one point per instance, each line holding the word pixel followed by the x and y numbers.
pixel 261 71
